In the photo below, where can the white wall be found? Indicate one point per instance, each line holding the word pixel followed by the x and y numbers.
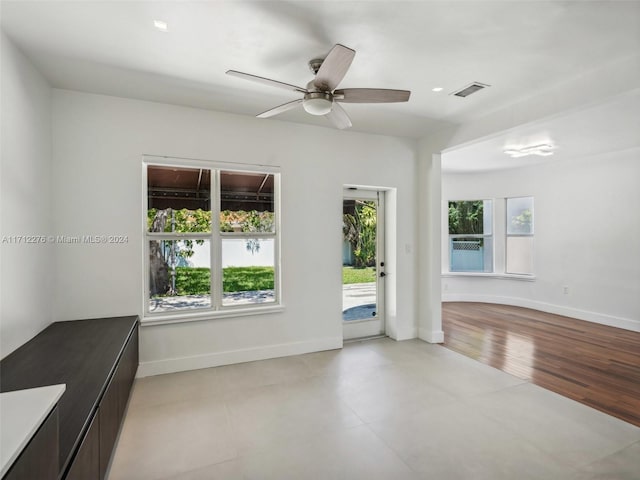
pixel 97 189
pixel 587 228
pixel 429 193
pixel 26 270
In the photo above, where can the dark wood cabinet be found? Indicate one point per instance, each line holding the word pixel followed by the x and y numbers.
pixel 97 359
pixel 86 463
pixel 114 402
pixel 109 418
pixel 39 459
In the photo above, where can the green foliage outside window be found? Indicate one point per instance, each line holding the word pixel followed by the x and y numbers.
pixel 359 229
pixel 466 217
pixel 199 221
pixel 522 223
pixel 192 281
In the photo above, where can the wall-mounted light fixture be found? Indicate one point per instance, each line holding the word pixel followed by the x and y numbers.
pixel 543 150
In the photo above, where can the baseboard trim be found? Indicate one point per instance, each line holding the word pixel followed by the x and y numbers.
pixel 594 317
pixel 217 359
pixel 431 336
pixel 406 334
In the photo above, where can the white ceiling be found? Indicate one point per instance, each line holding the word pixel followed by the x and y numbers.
pixel 606 127
pixel 518 47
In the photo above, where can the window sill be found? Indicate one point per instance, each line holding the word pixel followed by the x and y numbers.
pixel 183 317
pixel 503 276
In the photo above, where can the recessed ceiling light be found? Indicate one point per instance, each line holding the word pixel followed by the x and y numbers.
pixel 161 25
pixel 437 89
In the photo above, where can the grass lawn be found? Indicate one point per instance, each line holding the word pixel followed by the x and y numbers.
pixel 244 279
pixel 196 281
pixel 358 275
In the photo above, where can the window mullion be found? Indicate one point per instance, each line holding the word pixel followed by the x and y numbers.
pixel 216 244
pixel 178 235
pixel 247 235
pixel 277 265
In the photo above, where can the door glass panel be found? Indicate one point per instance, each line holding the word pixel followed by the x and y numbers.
pixel 359 243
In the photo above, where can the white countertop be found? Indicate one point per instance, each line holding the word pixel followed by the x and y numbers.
pixel 21 414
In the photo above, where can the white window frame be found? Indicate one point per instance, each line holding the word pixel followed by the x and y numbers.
pixel 215 237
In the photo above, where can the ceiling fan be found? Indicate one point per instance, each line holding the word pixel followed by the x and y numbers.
pixel 320 95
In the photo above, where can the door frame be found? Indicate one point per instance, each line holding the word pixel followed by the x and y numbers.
pixel 358 328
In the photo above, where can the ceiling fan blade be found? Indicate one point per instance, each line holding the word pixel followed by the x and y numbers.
pixel 371 95
pixel 279 109
pixel 339 117
pixel 334 68
pixel 266 81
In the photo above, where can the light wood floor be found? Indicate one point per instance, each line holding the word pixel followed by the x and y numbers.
pixel 594 364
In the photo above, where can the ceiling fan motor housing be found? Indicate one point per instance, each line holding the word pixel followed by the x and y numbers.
pixel 315 64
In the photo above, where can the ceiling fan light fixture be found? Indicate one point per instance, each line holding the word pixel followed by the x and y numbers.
pixel 161 25
pixel 317 103
pixel 543 150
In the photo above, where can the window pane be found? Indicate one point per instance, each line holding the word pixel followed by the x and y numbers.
pixel 179 275
pixel 471 254
pixel 248 272
pixel 470 217
pixel 519 255
pixel 470 241
pixel 487 217
pixel 179 199
pixel 246 202
pixel 520 216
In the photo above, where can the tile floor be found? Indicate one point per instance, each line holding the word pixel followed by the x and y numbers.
pixel 374 410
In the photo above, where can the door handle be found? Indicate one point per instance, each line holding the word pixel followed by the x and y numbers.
pixel 382 274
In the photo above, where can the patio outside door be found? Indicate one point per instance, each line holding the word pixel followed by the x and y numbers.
pixel 363 264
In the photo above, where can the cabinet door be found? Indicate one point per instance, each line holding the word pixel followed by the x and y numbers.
pixel 129 366
pixel 114 402
pixel 109 422
pixel 86 464
pixel 39 459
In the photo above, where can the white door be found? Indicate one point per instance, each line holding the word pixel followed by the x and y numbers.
pixel 363 263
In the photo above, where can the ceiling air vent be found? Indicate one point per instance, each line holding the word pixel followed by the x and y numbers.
pixel 469 89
